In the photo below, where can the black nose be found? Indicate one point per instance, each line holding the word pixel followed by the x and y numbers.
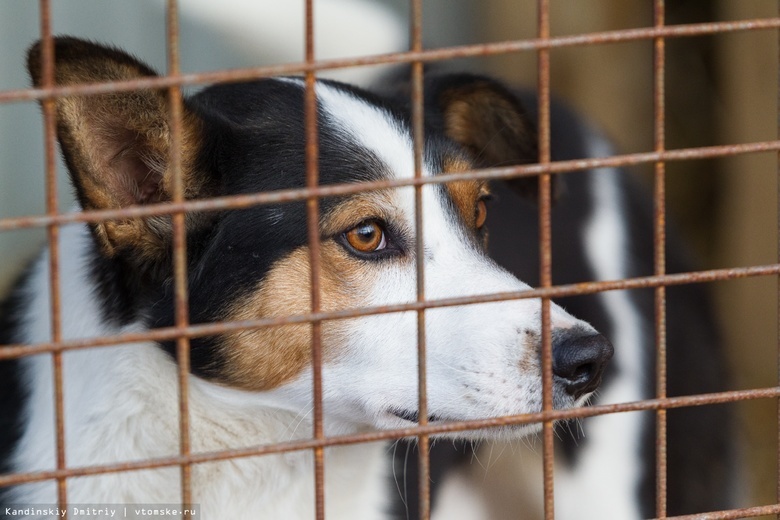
pixel 579 358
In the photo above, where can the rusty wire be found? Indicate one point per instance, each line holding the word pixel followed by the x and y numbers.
pixel 448 53
pixel 558 291
pixel 297 194
pixel 383 435
pixel 181 292
pixel 182 331
pixel 777 176
pixel 418 138
pixel 659 260
pixel 53 239
pixel 312 227
pixel 545 253
pixel 731 514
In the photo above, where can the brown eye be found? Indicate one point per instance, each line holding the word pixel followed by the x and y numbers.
pixel 367 237
pixel 481 214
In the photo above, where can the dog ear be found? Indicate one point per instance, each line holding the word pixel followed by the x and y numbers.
pixel 486 119
pixel 117 145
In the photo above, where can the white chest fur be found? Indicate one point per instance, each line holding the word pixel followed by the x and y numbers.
pixel 121 404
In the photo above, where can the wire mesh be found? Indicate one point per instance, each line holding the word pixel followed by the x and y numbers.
pixel 52 232
pixel 418 138
pixel 312 221
pixel 659 260
pixel 545 253
pixel 182 332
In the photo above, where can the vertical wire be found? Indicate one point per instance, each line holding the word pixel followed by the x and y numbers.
pixel 181 302
pixel 312 221
pixel 418 139
pixel 660 255
pixel 777 491
pixel 545 258
pixel 53 238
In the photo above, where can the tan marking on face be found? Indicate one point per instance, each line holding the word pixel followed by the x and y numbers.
pixel 265 358
pixel 464 194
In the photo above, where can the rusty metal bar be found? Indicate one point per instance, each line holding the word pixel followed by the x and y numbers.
pixel 418 142
pixel 447 53
pixel 545 254
pixel 659 261
pixel 53 240
pixel 181 295
pixel 291 195
pixel 731 514
pixel 313 230
pixel 777 176
pixel 375 436
pixel 558 291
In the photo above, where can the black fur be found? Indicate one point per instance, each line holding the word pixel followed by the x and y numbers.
pixel 698 480
pixel 257 143
pixel 12 392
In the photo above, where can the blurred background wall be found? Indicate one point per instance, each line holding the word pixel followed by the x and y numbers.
pixel 720 89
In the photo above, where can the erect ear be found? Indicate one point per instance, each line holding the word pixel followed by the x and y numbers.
pixel 487 120
pixel 117 145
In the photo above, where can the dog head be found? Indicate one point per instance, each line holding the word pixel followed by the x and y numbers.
pixel 483 360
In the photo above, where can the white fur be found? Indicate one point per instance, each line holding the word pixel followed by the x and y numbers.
pixel 121 402
pixel 121 405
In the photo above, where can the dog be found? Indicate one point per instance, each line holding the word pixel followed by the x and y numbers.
pixel 254 387
pixel 605 467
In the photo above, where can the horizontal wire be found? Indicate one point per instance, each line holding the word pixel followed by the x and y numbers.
pixel 729 514
pixel 464 51
pixel 383 435
pixel 559 291
pixel 244 201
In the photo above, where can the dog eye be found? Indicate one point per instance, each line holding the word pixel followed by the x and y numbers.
pixel 367 237
pixel 481 213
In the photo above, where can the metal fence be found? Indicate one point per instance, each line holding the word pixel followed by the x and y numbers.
pixel 183 331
